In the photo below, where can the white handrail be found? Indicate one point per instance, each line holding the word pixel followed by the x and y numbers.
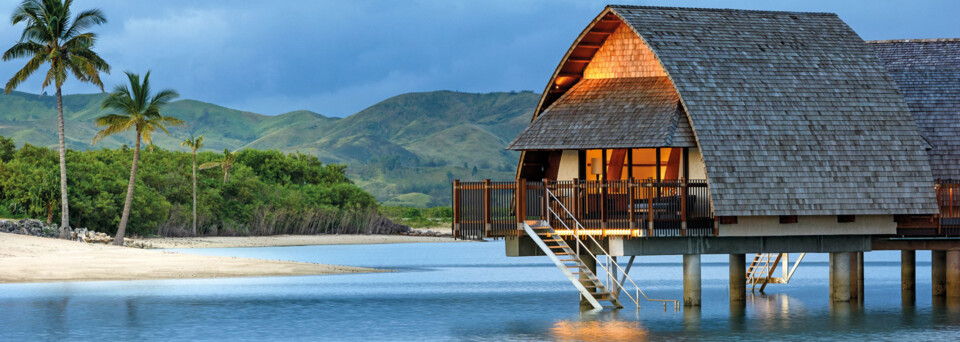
pixel 576 233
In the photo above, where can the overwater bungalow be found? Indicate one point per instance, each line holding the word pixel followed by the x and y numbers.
pixel 689 131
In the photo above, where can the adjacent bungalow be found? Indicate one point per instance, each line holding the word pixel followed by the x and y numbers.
pixel 693 131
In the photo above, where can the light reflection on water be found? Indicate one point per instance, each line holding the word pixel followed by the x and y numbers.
pixel 465 291
pixel 599 330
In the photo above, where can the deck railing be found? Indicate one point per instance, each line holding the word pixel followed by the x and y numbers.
pixel 632 208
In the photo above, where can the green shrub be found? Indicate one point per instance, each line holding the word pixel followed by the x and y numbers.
pixel 264 187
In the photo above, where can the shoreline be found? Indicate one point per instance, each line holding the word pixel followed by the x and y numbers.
pixel 31 259
pixel 281 241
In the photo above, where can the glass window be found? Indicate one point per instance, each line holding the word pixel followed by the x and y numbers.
pixel 639 163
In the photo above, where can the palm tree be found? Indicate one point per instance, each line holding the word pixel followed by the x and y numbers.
pixel 194 144
pixel 51 37
pixel 226 164
pixel 138 111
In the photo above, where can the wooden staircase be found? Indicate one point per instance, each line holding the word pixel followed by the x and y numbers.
pixel 585 280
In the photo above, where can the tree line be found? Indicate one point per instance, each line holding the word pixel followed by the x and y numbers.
pixel 267 191
pixel 53 37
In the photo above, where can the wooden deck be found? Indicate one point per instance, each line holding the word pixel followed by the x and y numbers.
pixel 634 208
pixel 629 208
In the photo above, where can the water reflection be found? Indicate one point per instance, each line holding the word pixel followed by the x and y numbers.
pixel 691 318
pixel 599 330
pixel 474 294
pixel 738 316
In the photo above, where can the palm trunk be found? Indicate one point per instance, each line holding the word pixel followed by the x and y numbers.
pixel 64 206
pixel 49 213
pixel 194 192
pixel 126 205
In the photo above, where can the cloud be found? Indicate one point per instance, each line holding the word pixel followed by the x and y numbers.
pixel 337 57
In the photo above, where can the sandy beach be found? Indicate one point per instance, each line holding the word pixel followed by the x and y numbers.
pixel 33 259
pixel 281 240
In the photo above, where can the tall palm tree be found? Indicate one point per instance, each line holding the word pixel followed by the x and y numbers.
pixel 140 111
pixel 194 144
pixel 51 37
pixel 226 164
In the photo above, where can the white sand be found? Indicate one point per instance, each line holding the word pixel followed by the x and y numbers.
pixel 35 259
pixel 282 240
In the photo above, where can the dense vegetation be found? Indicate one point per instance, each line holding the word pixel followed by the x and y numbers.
pixel 436 217
pixel 404 150
pixel 268 192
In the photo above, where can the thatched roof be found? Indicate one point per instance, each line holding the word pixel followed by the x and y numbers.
pixel 638 112
pixel 793 113
pixel 927 72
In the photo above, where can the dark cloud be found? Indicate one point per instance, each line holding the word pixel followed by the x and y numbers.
pixel 338 57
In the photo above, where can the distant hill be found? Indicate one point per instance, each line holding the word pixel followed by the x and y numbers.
pixel 405 150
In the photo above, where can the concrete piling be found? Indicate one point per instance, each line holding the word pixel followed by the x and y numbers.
pixel 840 277
pixel 953 274
pixel 860 276
pixel 691 279
pixel 856 277
pixel 738 277
pixel 938 273
pixel 591 264
pixel 908 277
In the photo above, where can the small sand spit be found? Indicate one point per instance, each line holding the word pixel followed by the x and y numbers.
pixel 34 259
pixel 279 240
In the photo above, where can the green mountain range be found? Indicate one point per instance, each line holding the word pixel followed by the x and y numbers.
pixel 404 150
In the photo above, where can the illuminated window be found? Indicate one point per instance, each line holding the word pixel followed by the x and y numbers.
pixel 638 163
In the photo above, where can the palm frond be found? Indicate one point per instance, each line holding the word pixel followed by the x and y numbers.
pixel 194 143
pixel 23 74
pixel 139 91
pixel 146 133
pixel 110 130
pixel 130 101
pixel 172 121
pixel 209 165
pixel 83 21
pixel 28 11
pixel 23 49
pixel 112 120
pixel 163 97
pixel 51 36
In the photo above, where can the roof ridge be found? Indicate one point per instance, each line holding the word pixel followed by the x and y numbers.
pixel 706 9
pixel 918 40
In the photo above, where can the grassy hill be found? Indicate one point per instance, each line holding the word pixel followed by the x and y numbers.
pixel 405 150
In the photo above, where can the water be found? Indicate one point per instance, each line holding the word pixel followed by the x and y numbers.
pixel 463 291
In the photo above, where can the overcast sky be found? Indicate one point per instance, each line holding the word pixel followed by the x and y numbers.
pixel 337 57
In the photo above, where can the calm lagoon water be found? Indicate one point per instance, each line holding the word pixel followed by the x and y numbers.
pixel 464 291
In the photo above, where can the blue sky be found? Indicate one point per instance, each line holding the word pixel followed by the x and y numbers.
pixel 338 57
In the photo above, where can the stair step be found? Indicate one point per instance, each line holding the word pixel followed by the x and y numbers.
pixel 559 247
pixel 553 240
pixel 563 253
pixel 540 227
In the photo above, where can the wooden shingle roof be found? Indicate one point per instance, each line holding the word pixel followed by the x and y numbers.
pixel 927 72
pixel 792 111
pixel 639 112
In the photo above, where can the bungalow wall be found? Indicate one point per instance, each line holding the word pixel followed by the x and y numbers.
pixel 623 55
